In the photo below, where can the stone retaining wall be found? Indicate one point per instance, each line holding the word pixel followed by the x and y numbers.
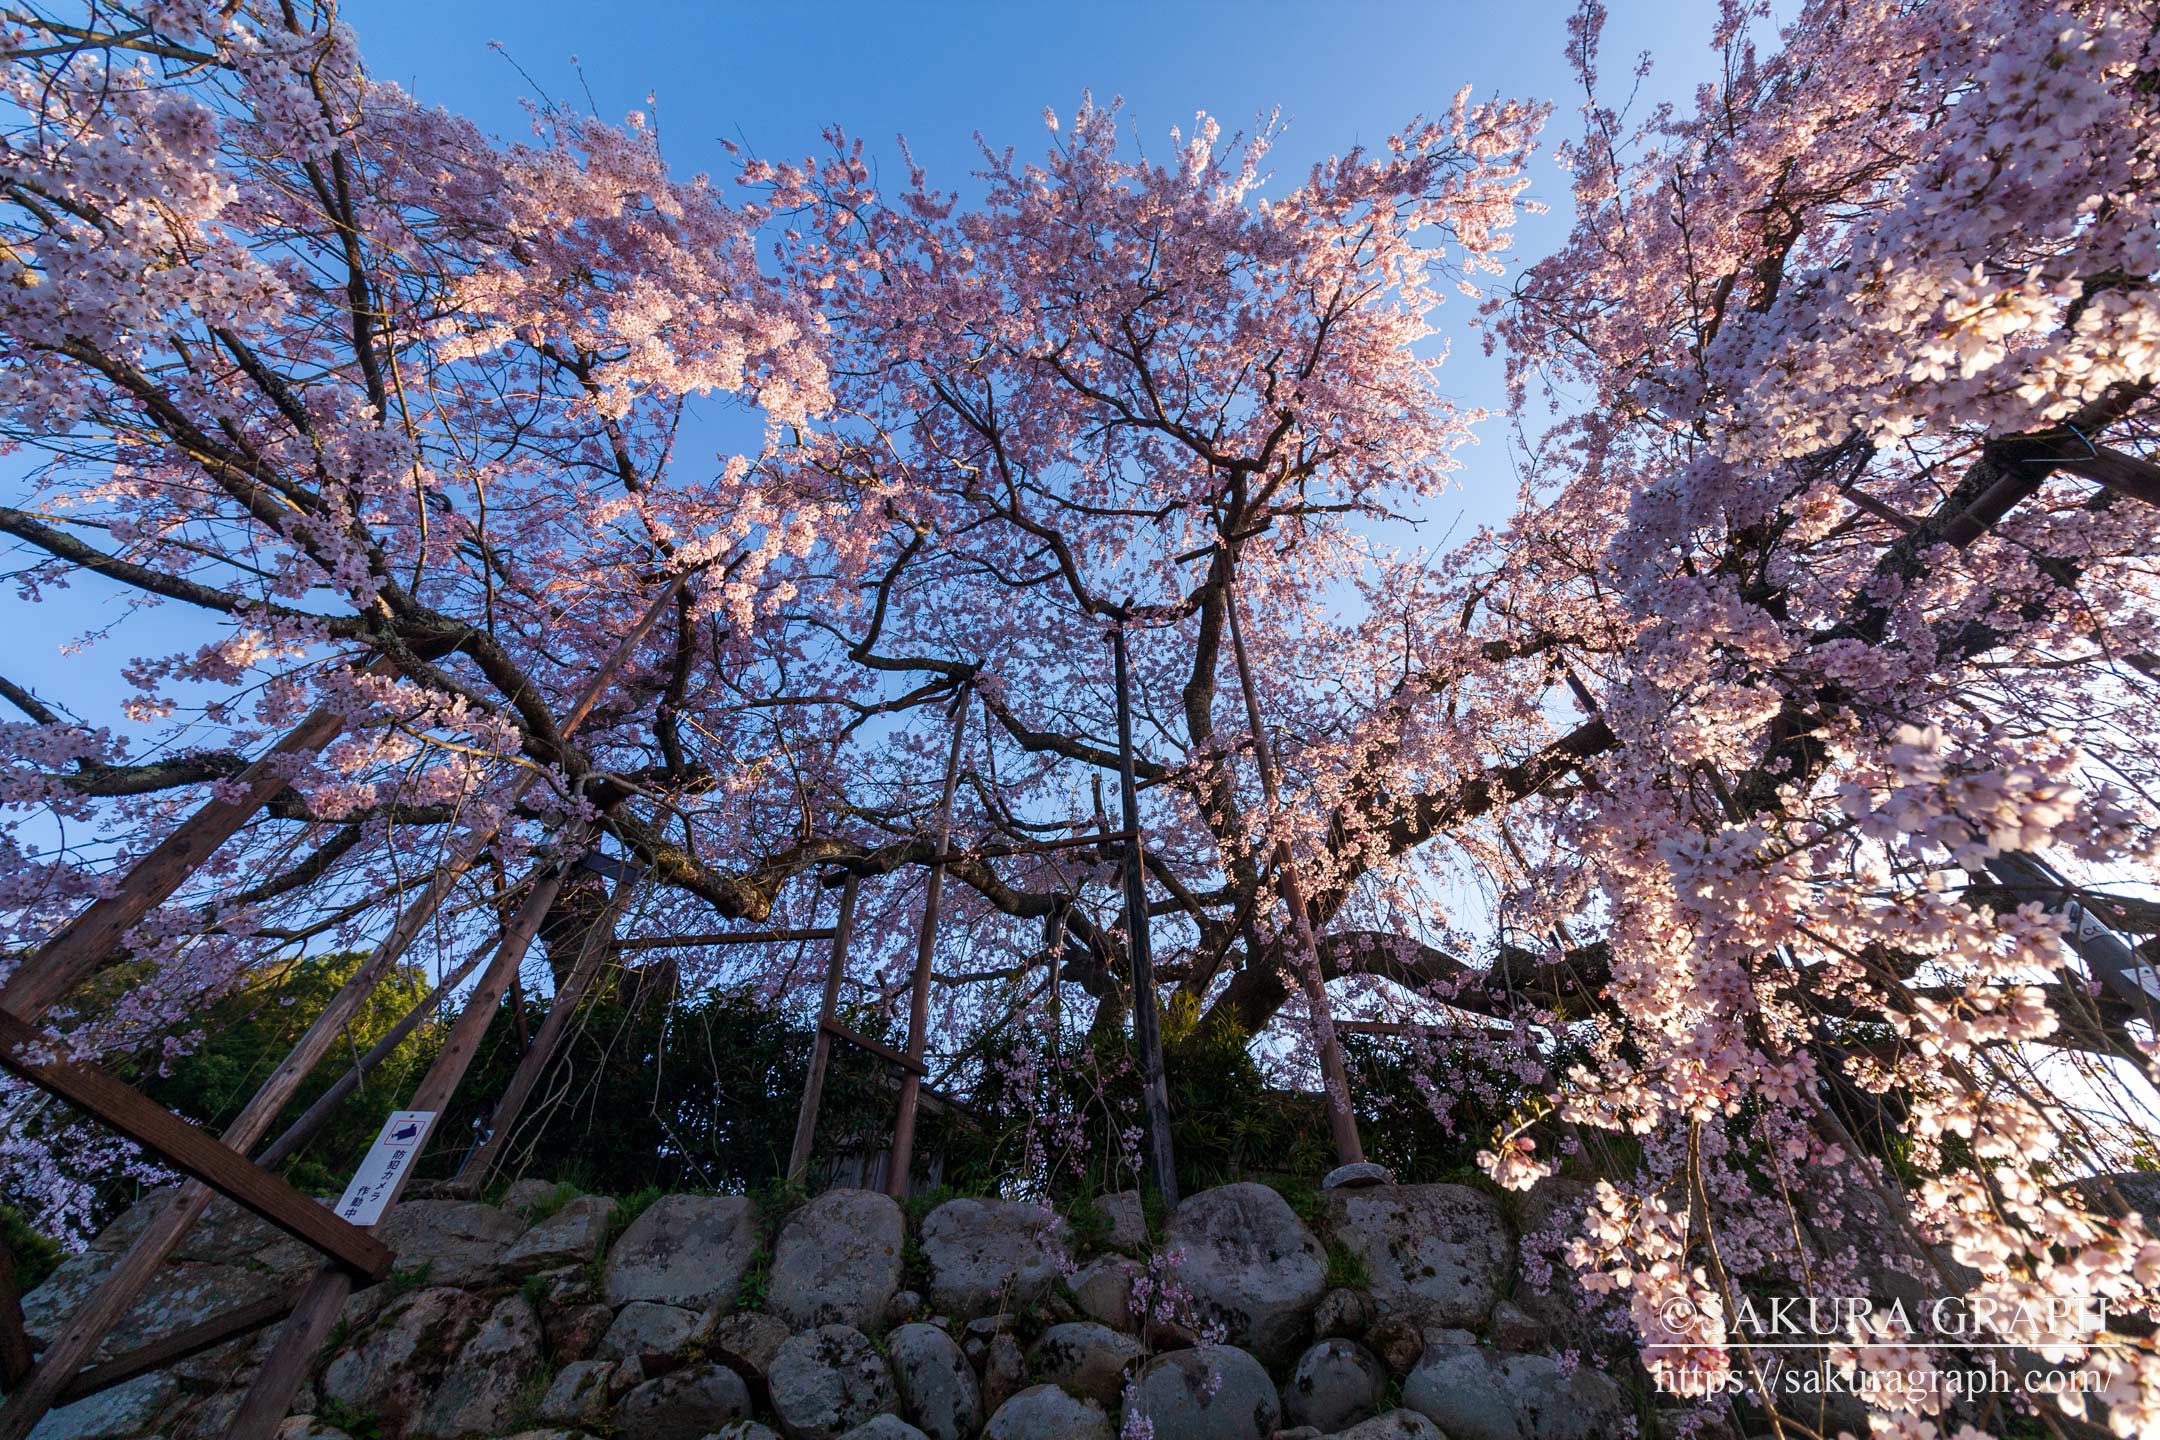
pixel 1391 1311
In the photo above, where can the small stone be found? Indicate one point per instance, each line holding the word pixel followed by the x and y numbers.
pixel 987 1254
pixel 744 1430
pixel 827 1381
pixel 526 1196
pixel 937 1385
pixel 572 1235
pixel 573 1334
pixel 579 1395
pixel 1334 1384
pixel 483 1389
pixel 1395 1425
pixel 905 1305
pixel 1211 1392
pixel 688 1250
pixel 1103 1289
pixel 1042 1411
pixel 838 1261
pixel 458 1242
pixel 1357 1176
pixel 748 1341
pixel 1087 1359
pixel 976 1336
pixel 685 1404
pixel 643 1328
pixel 885 1427
pixel 1398 1343
pixel 1342 1312
pixel 568 1285
pixel 1513 1330
pixel 1004 1371
pixel 307 1427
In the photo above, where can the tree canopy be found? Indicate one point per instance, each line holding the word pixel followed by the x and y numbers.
pixel 1826 619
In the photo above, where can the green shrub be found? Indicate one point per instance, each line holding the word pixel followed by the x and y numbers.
pixel 36 1256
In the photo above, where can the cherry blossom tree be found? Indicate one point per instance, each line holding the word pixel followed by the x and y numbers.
pixel 1857 533
pixel 1794 734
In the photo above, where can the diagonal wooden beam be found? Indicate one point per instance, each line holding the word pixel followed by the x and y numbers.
pixel 472 1175
pixel 821 1048
pixel 263 1408
pixel 82 946
pixel 188 1149
pixel 172 1349
pixel 913 1069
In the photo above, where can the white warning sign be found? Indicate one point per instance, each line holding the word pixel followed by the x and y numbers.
pixel 387 1161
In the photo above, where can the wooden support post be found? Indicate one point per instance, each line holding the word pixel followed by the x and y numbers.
pixel 88 1326
pixel 263 1408
pixel 903 1141
pixel 110 1302
pixel 172 1349
pixel 721 937
pixel 184 1147
pixel 312 1119
pixel 472 1175
pixel 2129 475
pixel 1147 1019
pixel 898 1059
pixel 798 1169
pixel 84 943
pixel 1054 932
pixel 1334 1074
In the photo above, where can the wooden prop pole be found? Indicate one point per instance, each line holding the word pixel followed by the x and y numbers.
pixel 89 1325
pixel 126 1110
pixel 1147 1020
pixel 312 1119
pixel 903 1141
pixel 1342 1120
pixel 263 1408
pixel 813 1094
pixel 472 1175
pixel 179 1345
pixel 78 1340
pixel 82 946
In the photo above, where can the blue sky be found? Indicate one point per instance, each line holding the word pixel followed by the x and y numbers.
pixel 772 77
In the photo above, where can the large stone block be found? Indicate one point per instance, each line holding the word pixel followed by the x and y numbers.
pixel 687 1250
pixel 1438 1254
pixel 488 1384
pixel 827 1381
pixel 1045 1410
pixel 1251 1265
pixel 685 1404
pixel 937 1386
pixel 838 1261
pixel 992 1255
pixel 1477 1394
pixel 1212 1392
pixel 458 1242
